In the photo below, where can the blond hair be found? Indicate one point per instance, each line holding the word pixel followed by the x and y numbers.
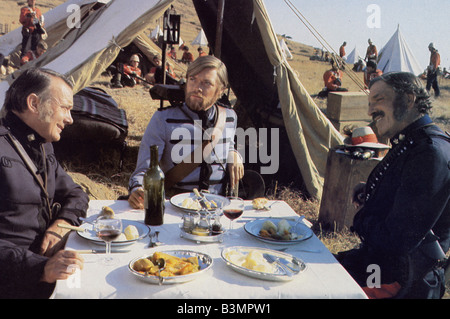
pixel 209 62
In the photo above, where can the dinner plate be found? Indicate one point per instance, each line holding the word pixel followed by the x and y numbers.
pixel 177 201
pixel 285 268
pixel 303 232
pixel 91 235
pixel 205 262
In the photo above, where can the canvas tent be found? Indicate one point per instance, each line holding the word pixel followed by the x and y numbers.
pixel 156 33
pixel 268 89
pixel 397 56
pixel 84 53
pixel 284 48
pixel 200 39
pixel 354 56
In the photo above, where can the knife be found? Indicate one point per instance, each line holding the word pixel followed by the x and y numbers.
pixel 200 199
pixel 100 251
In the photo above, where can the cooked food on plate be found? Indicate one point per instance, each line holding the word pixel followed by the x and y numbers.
pixel 260 202
pixel 174 266
pixel 131 232
pixel 282 231
pixel 254 260
pixel 107 212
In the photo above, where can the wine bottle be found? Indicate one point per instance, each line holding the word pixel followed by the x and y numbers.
pixel 154 194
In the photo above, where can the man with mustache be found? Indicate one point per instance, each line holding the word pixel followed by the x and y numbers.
pixel 179 130
pixel 36 192
pixel 404 216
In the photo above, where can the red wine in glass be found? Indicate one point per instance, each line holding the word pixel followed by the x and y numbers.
pixel 233 213
pixel 108 235
pixel 233 210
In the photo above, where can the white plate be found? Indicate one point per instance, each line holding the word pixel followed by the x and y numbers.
pixel 177 201
pixel 204 260
pixel 201 239
pixel 303 231
pixel 279 274
pixel 90 234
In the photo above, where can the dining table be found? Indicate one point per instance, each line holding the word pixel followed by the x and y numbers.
pixel 322 276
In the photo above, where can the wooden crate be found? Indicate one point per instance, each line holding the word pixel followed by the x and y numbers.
pixel 347 106
pixel 342 174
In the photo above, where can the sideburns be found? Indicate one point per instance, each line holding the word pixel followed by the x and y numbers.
pixel 46 111
pixel 400 107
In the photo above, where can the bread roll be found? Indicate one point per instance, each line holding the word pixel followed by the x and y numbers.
pixel 131 232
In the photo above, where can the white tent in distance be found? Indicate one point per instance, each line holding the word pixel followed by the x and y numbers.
pixel 397 56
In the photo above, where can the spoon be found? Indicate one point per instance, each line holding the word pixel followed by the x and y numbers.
pixel 161 263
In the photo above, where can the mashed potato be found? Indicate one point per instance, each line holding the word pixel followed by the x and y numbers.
pixel 254 260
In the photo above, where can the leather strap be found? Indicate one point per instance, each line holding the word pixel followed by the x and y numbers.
pixel 189 163
pixel 32 168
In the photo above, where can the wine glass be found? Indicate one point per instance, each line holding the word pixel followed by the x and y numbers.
pixel 108 229
pixel 233 210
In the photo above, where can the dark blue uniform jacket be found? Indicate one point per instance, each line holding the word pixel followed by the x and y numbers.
pixel 407 195
pixel 24 213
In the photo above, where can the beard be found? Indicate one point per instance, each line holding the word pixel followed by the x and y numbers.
pixel 198 102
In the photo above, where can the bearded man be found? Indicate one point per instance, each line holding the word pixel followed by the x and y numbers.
pixel 404 216
pixel 200 132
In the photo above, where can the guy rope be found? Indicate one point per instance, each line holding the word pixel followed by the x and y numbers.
pixel 339 62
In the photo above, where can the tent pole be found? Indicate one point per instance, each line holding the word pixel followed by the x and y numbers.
pixel 219 29
pixel 163 61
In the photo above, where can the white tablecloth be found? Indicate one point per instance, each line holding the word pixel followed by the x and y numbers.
pixel 324 277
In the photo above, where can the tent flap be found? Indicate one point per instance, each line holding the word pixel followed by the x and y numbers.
pixel 266 86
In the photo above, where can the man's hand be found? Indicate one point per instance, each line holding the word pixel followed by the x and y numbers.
pixel 359 195
pixel 62 265
pixel 136 199
pixel 235 168
pixel 54 239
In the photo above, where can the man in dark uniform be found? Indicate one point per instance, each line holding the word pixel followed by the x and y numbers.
pixel 36 193
pixel 404 219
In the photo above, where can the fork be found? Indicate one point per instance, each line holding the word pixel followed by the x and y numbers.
pixel 271 259
pixel 299 249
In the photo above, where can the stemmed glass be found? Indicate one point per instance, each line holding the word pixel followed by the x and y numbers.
pixel 233 211
pixel 108 229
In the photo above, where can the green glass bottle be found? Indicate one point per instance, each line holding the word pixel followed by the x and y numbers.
pixel 154 194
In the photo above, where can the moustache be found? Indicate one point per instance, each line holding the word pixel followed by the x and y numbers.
pixel 377 116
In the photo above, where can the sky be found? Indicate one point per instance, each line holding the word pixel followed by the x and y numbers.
pixel 355 21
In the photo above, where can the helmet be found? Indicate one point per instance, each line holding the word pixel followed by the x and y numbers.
pixel 134 57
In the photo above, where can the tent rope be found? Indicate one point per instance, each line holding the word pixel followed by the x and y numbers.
pixel 114 42
pixel 351 74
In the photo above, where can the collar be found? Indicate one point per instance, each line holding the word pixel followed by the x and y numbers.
pixel 25 134
pixel 406 132
pixel 210 113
